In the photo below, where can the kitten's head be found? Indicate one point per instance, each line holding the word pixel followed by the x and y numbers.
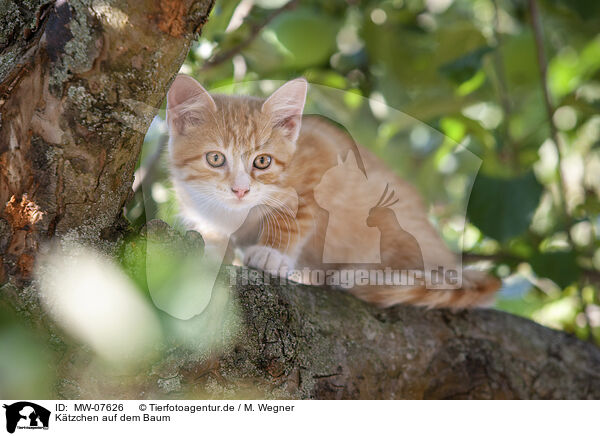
pixel 231 152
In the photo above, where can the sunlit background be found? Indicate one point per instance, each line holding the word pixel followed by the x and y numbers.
pixel 420 78
pixel 440 89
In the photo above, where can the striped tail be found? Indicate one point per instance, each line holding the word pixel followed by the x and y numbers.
pixel 478 289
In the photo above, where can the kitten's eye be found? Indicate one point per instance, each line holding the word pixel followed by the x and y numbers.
pixel 215 158
pixel 262 162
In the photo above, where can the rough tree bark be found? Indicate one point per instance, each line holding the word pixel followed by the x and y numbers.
pixel 284 340
pixel 76 79
pixel 304 342
pixel 71 73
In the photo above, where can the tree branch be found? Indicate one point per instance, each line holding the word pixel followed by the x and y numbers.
pixel 503 94
pixel 226 55
pixel 292 341
pixel 543 67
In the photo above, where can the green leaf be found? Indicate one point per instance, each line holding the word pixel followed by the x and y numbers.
pixel 503 208
pixel 560 267
pixel 307 36
pixel 569 69
pixel 465 67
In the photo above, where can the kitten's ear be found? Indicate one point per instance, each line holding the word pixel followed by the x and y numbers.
pixel 285 107
pixel 187 101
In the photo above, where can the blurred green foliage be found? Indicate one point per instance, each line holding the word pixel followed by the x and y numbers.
pixel 25 371
pixel 449 94
pixel 452 71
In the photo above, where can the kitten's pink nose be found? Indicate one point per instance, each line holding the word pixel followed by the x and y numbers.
pixel 240 192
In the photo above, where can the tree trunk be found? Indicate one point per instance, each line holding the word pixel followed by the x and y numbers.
pixel 79 81
pixel 76 78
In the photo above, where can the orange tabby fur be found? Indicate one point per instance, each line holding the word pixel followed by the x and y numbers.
pixel 286 225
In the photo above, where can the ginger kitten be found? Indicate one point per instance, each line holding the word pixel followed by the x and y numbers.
pixel 296 192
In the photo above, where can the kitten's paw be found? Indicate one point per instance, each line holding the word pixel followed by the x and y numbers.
pixel 268 259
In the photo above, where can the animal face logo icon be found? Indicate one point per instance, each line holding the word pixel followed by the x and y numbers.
pixel 368 220
pixel 26 415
